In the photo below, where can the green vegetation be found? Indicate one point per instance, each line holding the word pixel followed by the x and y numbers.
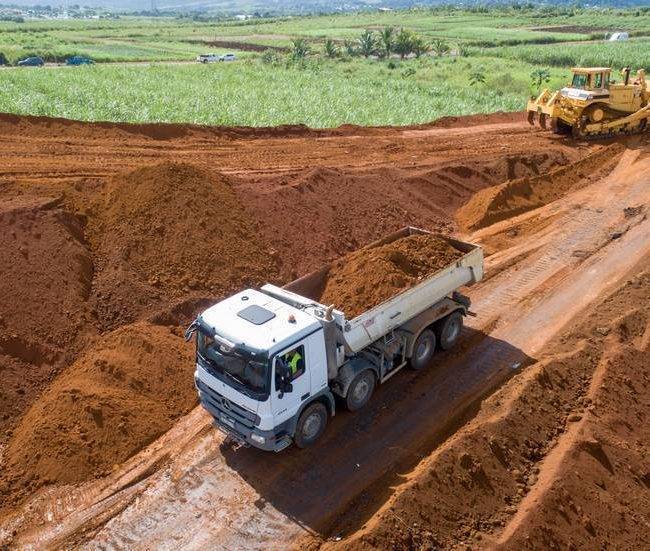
pixel 635 53
pixel 360 91
pixel 365 68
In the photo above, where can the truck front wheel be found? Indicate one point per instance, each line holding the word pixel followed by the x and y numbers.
pixel 311 425
pixel 449 330
pixel 360 390
pixel 423 349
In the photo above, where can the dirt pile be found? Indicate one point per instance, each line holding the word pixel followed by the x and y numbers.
pixel 514 197
pixel 365 278
pixel 336 211
pixel 121 394
pixel 45 278
pixel 555 459
pixel 164 231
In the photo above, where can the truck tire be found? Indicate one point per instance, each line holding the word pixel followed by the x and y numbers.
pixel 423 349
pixel 311 425
pixel 360 390
pixel 449 329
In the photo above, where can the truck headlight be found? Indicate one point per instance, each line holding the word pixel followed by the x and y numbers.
pixel 257 438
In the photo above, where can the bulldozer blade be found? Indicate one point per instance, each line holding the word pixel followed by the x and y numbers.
pixel 531 118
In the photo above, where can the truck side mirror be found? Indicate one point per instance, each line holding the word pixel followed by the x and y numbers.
pixel 283 377
pixel 285 386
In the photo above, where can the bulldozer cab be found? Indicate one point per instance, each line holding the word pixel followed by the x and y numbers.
pixel 595 78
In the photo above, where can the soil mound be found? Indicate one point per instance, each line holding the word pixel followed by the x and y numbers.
pixel 515 197
pixel 45 279
pixel 336 209
pixel 366 278
pixel 120 395
pixel 163 231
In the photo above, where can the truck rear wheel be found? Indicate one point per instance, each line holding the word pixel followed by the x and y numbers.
pixel 360 390
pixel 449 329
pixel 311 425
pixel 423 349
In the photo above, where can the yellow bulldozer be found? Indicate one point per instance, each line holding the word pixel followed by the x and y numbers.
pixel 593 105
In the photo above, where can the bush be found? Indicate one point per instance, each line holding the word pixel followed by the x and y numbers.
pixel 299 49
pixel 330 48
pixel 350 48
pixel 367 43
pixel 270 57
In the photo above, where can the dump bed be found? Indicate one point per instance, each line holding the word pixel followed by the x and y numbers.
pixel 359 332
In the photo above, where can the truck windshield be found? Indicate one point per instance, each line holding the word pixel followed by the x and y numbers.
pixel 237 365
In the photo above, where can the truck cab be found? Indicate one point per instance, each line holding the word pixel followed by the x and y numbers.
pixel 258 362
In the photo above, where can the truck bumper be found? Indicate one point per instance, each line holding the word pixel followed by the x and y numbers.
pixel 263 440
pixel 240 429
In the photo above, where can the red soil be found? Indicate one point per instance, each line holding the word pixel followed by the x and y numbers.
pixel 161 232
pixel 514 197
pixel 124 391
pixel 337 210
pixel 153 220
pixel 46 274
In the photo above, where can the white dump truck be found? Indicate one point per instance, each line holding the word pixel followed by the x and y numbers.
pixel 272 364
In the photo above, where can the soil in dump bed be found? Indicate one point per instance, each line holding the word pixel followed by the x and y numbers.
pixel 368 277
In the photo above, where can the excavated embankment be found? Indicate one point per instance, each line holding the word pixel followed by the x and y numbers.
pixel 150 221
pixel 513 197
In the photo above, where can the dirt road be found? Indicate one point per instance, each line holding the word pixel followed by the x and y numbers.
pixel 548 265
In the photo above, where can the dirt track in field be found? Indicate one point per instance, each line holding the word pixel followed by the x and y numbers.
pixel 114 236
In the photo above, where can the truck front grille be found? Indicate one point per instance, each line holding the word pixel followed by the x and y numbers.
pixel 215 401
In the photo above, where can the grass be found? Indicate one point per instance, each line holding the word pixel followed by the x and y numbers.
pixel 249 93
pixel 635 53
pixel 151 39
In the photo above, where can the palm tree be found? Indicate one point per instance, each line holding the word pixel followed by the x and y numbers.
pixel 350 47
pixel 386 36
pixel 440 47
pixel 404 43
pixel 477 77
pixel 330 48
pixel 299 48
pixel 420 46
pixel 367 43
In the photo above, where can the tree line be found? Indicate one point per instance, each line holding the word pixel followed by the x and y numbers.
pixel 382 44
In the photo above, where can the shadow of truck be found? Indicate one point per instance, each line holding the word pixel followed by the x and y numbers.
pixel 362 456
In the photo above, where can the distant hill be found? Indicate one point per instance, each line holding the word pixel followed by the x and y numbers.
pixel 285 6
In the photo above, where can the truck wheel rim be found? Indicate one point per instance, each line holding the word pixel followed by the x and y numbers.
pixel 423 349
pixel 361 390
pixel 311 426
pixel 453 331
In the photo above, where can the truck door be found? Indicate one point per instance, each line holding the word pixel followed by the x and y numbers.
pixel 294 361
